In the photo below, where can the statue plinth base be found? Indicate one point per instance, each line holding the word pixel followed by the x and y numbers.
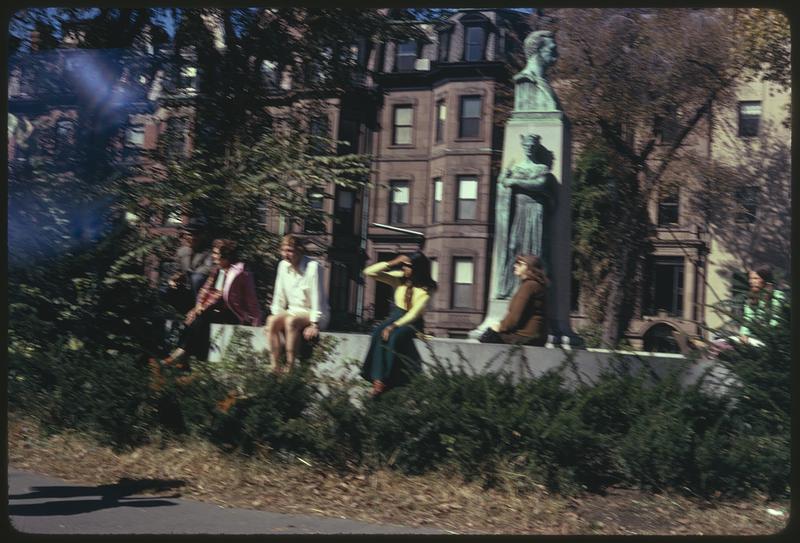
pixel 552 127
pixel 494 313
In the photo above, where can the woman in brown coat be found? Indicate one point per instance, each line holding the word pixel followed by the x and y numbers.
pixel 525 323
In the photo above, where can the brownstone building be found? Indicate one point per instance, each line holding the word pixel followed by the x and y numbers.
pixel 430 112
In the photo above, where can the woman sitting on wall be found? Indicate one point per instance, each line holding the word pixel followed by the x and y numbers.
pixel 525 322
pixel 228 296
pixel 392 355
pixel 762 307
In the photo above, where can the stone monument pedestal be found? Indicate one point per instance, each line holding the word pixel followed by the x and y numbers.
pixel 553 129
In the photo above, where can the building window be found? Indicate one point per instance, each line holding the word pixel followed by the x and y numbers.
pixel 401 130
pixel 441 117
pixel 175 137
pixel 667 286
pixel 435 269
pixel 443 54
pixel 406 56
pixel 749 117
pixel 315 222
pixel 467 205
pixel 438 197
pixel 270 73
pixel 65 134
pixel 398 202
pixel 668 209
pixel 188 79
pixel 340 287
pixel 747 201
pixel 320 131
pixel 345 212
pixel 667 126
pixel 135 135
pixel 463 281
pixel 470 117
pixel 474 42
pixel 263 212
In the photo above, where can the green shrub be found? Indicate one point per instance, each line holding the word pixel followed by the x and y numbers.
pixel 624 428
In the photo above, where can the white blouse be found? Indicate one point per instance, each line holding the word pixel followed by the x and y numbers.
pixel 301 291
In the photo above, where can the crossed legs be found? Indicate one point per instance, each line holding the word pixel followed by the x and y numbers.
pixel 284 333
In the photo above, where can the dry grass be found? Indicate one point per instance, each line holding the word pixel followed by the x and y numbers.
pixel 436 500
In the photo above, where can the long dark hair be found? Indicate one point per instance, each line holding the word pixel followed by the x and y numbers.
pixel 765 293
pixel 421 272
pixel 535 269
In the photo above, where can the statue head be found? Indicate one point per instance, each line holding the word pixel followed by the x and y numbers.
pixel 542 44
pixel 529 141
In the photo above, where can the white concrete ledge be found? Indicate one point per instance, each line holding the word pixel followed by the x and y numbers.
pixel 349 350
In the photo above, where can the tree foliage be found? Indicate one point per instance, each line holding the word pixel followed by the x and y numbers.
pixel 645 82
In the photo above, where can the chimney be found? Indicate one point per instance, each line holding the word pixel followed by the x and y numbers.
pixel 35 38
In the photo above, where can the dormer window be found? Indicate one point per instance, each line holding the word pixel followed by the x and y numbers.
pixel 406 56
pixel 443 52
pixel 476 28
pixel 474 42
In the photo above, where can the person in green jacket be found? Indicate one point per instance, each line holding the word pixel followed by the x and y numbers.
pixel 763 305
pixel 392 355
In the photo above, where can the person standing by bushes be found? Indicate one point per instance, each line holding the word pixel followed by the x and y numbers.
pixel 392 354
pixel 228 296
pixel 299 304
pixel 525 322
pixel 194 262
pixel 762 306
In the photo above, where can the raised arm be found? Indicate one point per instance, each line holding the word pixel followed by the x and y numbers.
pixel 380 271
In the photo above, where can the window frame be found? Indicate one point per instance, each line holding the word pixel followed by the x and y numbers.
pixel 745 130
pixel 409 126
pixel 347 226
pixel 482 44
pixel 747 200
pixel 454 298
pixel 462 100
pixel 315 226
pixel 406 206
pixel 137 128
pixel 459 213
pixel 437 206
pixel 665 206
pixel 398 55
pixel 678 265
pixel 444 39
pixel 440 123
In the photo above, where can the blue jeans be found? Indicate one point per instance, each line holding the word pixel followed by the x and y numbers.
pixel 394 361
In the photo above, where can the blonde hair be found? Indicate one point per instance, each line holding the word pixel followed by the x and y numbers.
pixel 294 241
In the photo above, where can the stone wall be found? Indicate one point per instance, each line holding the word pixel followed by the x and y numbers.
pixel 473 357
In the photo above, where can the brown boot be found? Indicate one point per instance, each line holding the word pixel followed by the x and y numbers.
pixel 378 388
pixel 229 401
pixel 157 380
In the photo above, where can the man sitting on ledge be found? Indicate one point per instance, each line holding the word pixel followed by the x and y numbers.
pixel 299 304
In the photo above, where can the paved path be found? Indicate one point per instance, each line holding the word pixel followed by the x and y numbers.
pixel 45 505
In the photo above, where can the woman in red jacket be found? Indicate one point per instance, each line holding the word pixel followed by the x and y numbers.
pixel 228 296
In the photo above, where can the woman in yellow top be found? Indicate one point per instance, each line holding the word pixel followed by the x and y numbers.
pixel 393 340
